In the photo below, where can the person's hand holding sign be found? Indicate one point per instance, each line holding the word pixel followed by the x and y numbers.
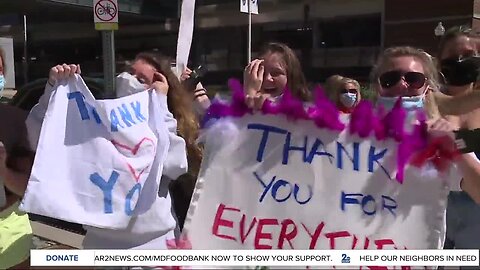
pixel 442 129
pixel 160 83
pixel 252 82
pixel 60 72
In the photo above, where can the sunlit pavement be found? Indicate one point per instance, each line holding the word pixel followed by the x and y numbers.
pixel 48 237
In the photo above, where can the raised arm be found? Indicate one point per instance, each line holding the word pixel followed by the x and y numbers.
pixel 457 105
pixel 468 176
pixel 201 101
pixel 35 117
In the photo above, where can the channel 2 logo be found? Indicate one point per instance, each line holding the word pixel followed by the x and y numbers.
pixel 345 258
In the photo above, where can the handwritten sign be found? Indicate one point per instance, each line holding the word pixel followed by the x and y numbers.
pixel 270 183
pixel 98 162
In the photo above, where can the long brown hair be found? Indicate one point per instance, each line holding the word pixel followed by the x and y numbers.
pixel 296 81
pixel 179 104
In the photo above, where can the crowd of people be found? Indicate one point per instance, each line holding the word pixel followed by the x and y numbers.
pixel 443 86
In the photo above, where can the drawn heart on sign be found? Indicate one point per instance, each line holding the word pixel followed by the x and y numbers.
pixel 134 151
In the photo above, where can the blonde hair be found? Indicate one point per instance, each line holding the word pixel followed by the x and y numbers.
pixel 352 81
pixel 429 68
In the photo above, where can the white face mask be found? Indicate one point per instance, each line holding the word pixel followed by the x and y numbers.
pixel 348 99
pixel 126 84
pixel 410 104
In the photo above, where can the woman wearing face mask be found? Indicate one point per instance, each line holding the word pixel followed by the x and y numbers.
pixel 458 63
pixel 347 95
pixel 180 104
pixel 460 67
pixel 276 69
pixel 409 74
pixel 151 229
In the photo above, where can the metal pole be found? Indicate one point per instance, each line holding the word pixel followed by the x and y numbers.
pixel 249 53
pixel 108 43
pixel 25 56
pixel 382 26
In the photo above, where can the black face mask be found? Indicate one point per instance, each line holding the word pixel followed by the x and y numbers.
pixel 460 71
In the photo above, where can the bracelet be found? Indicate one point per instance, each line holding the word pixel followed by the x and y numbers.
pixel 467 140
pixel 49 83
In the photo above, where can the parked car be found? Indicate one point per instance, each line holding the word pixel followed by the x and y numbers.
pixel 29 94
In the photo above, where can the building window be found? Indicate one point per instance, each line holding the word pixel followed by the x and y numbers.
pixel 362 31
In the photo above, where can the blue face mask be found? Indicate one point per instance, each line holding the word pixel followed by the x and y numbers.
pixel 348 99
pixel 408 103
pixel 2 84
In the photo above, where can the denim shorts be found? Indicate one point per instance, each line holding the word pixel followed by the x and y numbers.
pixel 463 222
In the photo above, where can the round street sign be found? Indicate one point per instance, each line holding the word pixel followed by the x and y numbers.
pixel 106 11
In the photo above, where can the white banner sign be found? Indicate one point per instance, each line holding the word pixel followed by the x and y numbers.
pixel 270 183
pixel 98 162
pixel 253 6
pixel 185 35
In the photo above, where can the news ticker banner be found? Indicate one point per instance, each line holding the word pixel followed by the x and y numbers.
pixel 345 258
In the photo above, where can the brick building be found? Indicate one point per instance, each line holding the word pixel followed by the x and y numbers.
pixel 413 22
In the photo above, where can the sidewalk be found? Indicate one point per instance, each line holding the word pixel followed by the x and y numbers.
pixel 48 237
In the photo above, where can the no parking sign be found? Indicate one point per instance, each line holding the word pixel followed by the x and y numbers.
pixel 105 13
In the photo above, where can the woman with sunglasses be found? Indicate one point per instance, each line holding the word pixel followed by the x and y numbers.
pixel 410 75
pixel 346 95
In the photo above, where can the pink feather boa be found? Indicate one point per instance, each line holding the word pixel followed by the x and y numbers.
pixel 365 119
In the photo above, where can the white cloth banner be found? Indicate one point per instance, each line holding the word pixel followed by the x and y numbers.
pixel 267 182
pixel 185 34
pixel 98 162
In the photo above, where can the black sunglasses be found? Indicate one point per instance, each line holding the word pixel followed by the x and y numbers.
pixel 414 79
